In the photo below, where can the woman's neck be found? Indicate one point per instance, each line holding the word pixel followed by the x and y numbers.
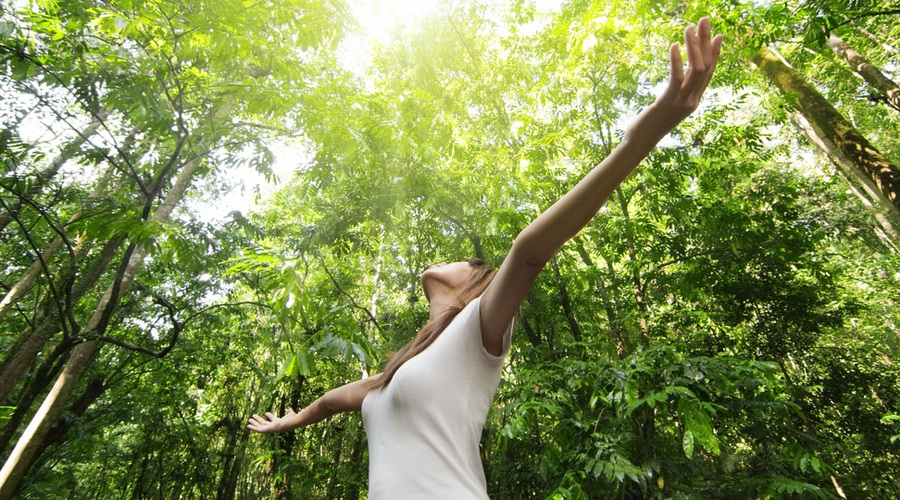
pixel 441 303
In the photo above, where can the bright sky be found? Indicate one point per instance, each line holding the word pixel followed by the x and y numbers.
pixel 377 20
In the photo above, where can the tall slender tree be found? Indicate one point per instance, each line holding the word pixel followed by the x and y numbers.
pixel 829 123
pixel 889 90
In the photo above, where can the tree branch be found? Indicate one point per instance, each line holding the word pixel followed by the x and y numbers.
pixel 863 15
pixel 63 314
pixel 177 326
pixel 97 116
pixel 349 297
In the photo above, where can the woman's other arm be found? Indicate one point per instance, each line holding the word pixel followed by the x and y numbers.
pixel 348 397
pixel 537 243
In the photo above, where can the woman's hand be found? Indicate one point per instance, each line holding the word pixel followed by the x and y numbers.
pixel 685 89
pixel 271 423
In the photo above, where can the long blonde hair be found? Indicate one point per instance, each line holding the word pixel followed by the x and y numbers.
pixel 482 274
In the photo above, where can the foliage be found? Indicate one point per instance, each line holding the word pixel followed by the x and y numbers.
pixel 726 327
pixel 655 424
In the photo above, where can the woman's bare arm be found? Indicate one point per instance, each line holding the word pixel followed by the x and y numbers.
pixel 537 243
pixel 348 397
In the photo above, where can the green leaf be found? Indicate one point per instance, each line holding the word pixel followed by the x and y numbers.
pixel 292 369
pixel 697 421
pixel 6 27
pixel 305 363
pixel 687 444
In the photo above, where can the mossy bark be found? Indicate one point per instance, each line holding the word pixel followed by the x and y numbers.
pixel 829 123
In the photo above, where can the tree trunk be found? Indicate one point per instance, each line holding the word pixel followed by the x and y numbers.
pixel 566 302
pixel 43 376
pixel 887 215
pixel 26 348
pixel 139 487
pixel 20 356
pixel 24 283
pixel 284 443
pixel 828 123
pixel 335 465
pixel 95 388
pixel 351 489
pixel 866 70
pixel 92 392
pixel 619 336
pixel 636 281
pixel 31 441
pixel 231 465
pixel 534 334
pixel 871 36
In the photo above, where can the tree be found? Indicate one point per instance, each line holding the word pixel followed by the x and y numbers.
pixel 155 68
pixel 867 70
pixel 829 123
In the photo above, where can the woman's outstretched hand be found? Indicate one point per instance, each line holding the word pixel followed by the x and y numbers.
pixel 271 423
pixel 686 87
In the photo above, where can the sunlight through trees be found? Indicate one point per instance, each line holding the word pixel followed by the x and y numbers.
pixel 727 327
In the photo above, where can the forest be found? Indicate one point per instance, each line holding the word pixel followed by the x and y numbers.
pixel 215 208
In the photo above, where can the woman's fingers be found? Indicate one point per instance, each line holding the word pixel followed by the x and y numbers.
pixel 676 74
pixel 703 54
pixel 715 50
pixel 712 59
pixel 677 71
pixel 704 35
pixel 688 82
pixel 258 423
pixel 692 46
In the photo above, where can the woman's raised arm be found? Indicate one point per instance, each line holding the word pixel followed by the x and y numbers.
pixel 537 243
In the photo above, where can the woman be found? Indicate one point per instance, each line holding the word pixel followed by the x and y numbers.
pixel 424 414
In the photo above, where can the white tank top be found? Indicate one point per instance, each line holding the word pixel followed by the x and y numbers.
pixel 425 427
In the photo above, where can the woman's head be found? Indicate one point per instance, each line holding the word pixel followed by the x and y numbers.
pixel 455 284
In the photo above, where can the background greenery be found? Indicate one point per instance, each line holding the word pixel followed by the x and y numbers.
pixel 727 327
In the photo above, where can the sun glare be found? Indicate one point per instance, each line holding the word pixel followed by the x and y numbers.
pixel 378 18
pixel 376 22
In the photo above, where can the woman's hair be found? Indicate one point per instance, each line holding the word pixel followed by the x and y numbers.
pixel 482 274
